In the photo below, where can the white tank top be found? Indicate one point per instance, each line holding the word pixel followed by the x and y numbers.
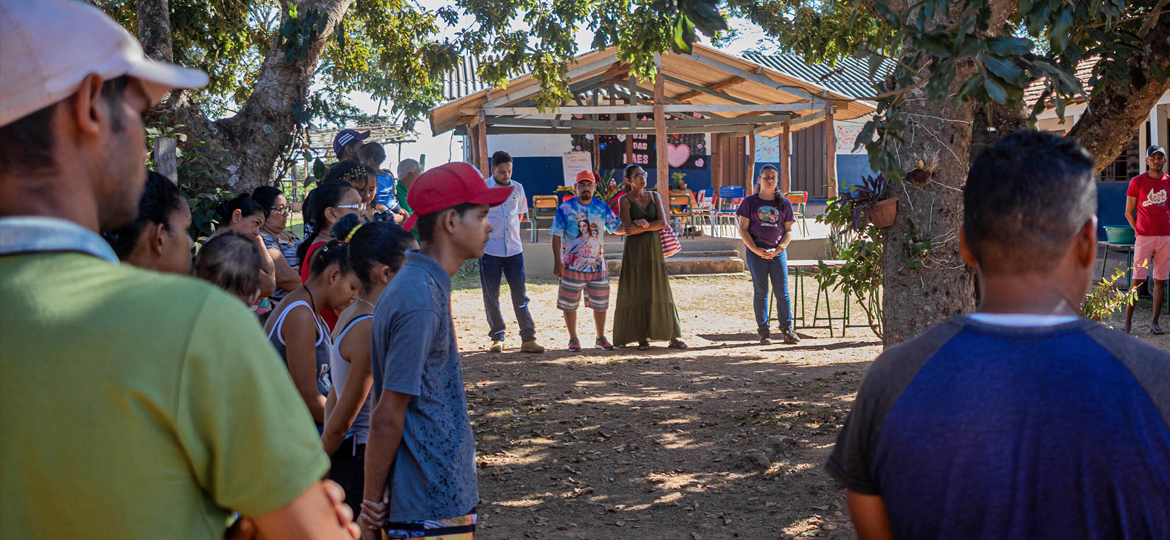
pixel 339 369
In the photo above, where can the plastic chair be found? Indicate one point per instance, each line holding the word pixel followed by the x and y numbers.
pixel 681 208
pixel 727 205
pixel 704 209
pixel 799 200
pixel 543 207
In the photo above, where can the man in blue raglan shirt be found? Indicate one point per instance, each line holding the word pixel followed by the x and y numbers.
pixel 1021 420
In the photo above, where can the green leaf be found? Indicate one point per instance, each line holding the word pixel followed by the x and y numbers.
pixel 1061 31
pixel 995 90
pixel 1005 69
pixel 970 87
pixel 875 62
pixel 1008 46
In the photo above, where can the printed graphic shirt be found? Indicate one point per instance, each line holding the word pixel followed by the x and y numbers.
pixel 767 218
pixel 583 228
pixel 1153 214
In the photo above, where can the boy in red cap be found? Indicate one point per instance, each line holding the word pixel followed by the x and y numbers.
pixel 582 223
pixel 420 457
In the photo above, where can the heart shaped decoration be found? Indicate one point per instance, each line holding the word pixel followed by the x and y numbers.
pixel 677 156
pixel 699 162
pixel 622 138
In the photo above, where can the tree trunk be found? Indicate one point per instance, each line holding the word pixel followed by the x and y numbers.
pixel 244 147
pixel 914 299
pixel 1113 116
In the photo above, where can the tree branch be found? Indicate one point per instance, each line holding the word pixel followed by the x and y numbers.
pixel 1114 114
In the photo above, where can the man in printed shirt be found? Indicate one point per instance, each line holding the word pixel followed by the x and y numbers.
pixel 504 255
pixel 1149 215
pixel 580 224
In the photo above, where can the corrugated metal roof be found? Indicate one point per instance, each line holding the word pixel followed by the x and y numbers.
pixel 850 76
pixel 463 80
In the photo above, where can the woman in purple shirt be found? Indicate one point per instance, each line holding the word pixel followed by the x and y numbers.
pixel 765 225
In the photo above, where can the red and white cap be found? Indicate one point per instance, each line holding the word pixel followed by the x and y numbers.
pixel 48 46
pixel 448 185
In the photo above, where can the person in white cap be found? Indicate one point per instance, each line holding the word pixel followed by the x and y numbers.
pixel 133 404
pixel 1148 213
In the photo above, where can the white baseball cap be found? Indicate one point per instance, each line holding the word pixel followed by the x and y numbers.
pixel 48 46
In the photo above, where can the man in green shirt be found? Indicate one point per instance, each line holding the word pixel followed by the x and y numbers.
pixel 133 405
pixel 408 171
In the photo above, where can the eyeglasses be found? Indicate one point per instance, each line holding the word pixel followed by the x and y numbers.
pixel 349 206
pixel 638 175
pixel 283 210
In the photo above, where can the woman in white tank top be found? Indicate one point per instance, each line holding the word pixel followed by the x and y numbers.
pixel 376 253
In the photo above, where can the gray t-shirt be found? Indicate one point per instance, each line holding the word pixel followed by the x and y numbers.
pixel 414 353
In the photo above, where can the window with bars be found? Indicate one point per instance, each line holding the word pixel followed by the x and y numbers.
pixel 1126 166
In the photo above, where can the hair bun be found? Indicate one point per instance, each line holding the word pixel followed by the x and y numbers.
pixel 346 226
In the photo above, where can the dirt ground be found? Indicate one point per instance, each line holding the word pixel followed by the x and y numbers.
pixel 662 443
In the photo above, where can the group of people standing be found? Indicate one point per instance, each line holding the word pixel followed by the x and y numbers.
pixel 645 304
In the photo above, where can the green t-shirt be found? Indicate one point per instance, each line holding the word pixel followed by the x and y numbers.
pixel 139 405
pixel 400 192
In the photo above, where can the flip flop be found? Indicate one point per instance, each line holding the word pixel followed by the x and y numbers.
pixel 1156 330
pixel 643 345
pixel 677 344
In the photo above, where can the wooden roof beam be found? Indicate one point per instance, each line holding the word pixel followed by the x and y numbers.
pixel 727 83
pixel 697 90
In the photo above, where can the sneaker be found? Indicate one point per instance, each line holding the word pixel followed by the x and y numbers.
pixel 604 344
pixel 574 345
pixel 790 336
pixel 531 347
pixel 765 337
pixel 497 346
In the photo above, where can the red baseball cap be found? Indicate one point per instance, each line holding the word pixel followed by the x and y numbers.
pixel 586 176
pixel 450 185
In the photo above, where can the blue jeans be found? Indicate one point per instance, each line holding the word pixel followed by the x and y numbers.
pixel 512 269
pixel 776 269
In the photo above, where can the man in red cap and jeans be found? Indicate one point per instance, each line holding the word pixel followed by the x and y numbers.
pixel 420 457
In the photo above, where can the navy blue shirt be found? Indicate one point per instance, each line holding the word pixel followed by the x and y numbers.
pixel 984 431
pixel 414 353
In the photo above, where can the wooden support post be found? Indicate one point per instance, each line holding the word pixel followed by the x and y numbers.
pixel 831 152
pixel 716 162
pixel 484 163
pixel 166 159
pixel 785 178
pixel 751 161
pixel 663 177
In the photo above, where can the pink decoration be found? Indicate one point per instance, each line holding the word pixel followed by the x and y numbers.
pixel 677 156
pixel 699 162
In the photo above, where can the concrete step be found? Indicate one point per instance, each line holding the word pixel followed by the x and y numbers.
pixel 617 254
pixel 682 264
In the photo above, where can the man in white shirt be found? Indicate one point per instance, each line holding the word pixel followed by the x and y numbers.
pixel 504 256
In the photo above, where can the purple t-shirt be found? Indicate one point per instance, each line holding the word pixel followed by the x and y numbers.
pixel 767 218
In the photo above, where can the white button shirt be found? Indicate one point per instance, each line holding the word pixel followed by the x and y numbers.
pixel 505 219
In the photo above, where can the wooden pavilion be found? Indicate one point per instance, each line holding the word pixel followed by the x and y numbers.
pixel 708 91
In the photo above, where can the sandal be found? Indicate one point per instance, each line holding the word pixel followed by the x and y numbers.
pixel 677 344
pixel 643 345
pixel 1156 330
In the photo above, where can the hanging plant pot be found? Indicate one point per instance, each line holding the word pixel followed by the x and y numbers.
pixel 884 212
